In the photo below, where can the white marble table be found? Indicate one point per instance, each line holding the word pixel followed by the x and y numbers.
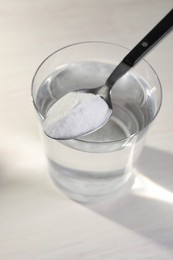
pixel 36 220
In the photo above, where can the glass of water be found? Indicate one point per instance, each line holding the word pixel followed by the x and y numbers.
pixel 100 164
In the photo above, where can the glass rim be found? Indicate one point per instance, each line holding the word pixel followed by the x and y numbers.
pixel 98 42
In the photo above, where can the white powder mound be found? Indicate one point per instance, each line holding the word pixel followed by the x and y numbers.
pixel 76 114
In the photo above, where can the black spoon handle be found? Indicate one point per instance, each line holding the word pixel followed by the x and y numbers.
pixel 143 47
pixel 150 40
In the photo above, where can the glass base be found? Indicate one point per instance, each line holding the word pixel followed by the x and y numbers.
pixel 87 187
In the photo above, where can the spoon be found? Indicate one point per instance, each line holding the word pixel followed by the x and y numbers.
pixel 104 92
pixel 134 56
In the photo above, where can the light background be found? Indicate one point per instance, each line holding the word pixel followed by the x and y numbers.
pixel 36 220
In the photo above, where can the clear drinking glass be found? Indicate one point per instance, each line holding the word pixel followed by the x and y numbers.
pixel 97 165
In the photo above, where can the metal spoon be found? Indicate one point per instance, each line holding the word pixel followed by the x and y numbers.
pixel 134 56
pixel 130 60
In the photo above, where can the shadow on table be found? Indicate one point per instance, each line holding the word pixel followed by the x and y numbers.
pixel 148 208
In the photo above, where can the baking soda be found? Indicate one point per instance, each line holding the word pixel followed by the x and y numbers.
pixel 76 114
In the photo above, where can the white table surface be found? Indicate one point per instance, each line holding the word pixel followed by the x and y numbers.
pixel 36 220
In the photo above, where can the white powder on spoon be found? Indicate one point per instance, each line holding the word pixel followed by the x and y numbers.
pixel 76 114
